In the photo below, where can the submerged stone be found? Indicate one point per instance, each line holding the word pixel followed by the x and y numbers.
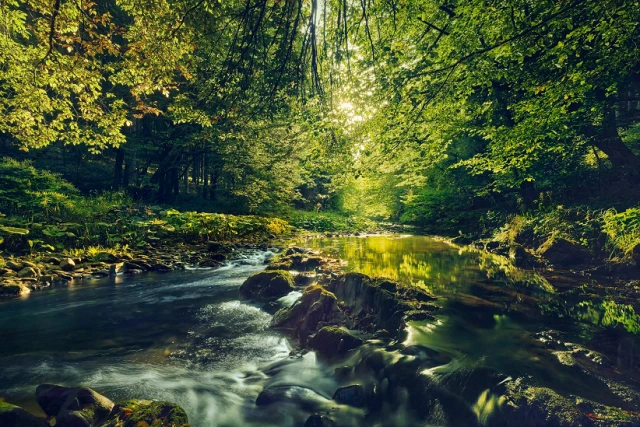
pixel 353 395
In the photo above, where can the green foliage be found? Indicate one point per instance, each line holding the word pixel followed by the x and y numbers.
pixel 580 224
pixel 329 222
pixel 27 190
pixel 107 220
pixel 608 314
pixel 623 228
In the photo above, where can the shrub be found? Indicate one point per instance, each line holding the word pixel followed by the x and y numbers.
pixel 623 228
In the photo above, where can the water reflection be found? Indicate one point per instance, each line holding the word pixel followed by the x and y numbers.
pixel 493 313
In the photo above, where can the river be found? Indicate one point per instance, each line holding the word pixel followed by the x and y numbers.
pixel 188 338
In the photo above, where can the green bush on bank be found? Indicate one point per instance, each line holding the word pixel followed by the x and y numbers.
pixel 329 222
pixel 623 228
pixel 42 212
pixel 606 231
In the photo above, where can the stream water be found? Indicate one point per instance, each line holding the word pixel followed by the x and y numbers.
pixel 186 337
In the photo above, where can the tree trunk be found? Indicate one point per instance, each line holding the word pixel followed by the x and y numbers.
pixel 625 163
pixel 117 169
pixel 205 176
pixel 214 184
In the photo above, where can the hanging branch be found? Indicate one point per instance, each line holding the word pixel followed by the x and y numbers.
pixel 184 17
pixel 346 35
pixel 430 25
pixel 366 28
pixel 52 29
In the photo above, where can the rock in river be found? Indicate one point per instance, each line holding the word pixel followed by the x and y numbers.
pixel 14 416
pixel 302 397
pixel 267 285
pixel 332 340
pixel 352 395
pixel 67 264
pixel 73 407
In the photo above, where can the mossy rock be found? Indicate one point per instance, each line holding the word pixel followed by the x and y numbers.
pixel 15 416
pixel 378 303
pixel 563 252
pixel 526 405
pixel 146 413
pixel 73 406
pixel 267 285
pixel 13 289
pixel 332 340
pixel 316 307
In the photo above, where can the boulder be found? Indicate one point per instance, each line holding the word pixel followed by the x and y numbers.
pixel 106 257
pixel 304 279
pixel 116 268
pixel 267 285
pixel 521 258
pixel 527 405
pixel 564 252
pixel 294 250
pixel 14 416
pixel 139 413
pixel 331 340
pixel 353 395
pixel 219 247
pixel 218 257
pixel 72 406
pixel 462 240
pixel 305 263
pixel 9 273
pixel 160 267
pixel 28 272
pixel 67 264
pixel 297 261
pixel 302 397
pixel 14 289
pixel 355 301
pixel 15 265
pixel 316 308
pixel 635 254
pixel 380 303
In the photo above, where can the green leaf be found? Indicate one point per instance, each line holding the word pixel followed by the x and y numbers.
pixel 14 230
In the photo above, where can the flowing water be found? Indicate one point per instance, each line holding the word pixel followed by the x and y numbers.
pixel 186 337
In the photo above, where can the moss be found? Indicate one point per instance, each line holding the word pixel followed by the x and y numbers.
pixel 318 288
pixel 14 416
pixel 331 340
pixel 145 413
pixel 268 285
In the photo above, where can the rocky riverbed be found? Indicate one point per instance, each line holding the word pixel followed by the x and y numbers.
pixel 440 341
pixel 24 274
